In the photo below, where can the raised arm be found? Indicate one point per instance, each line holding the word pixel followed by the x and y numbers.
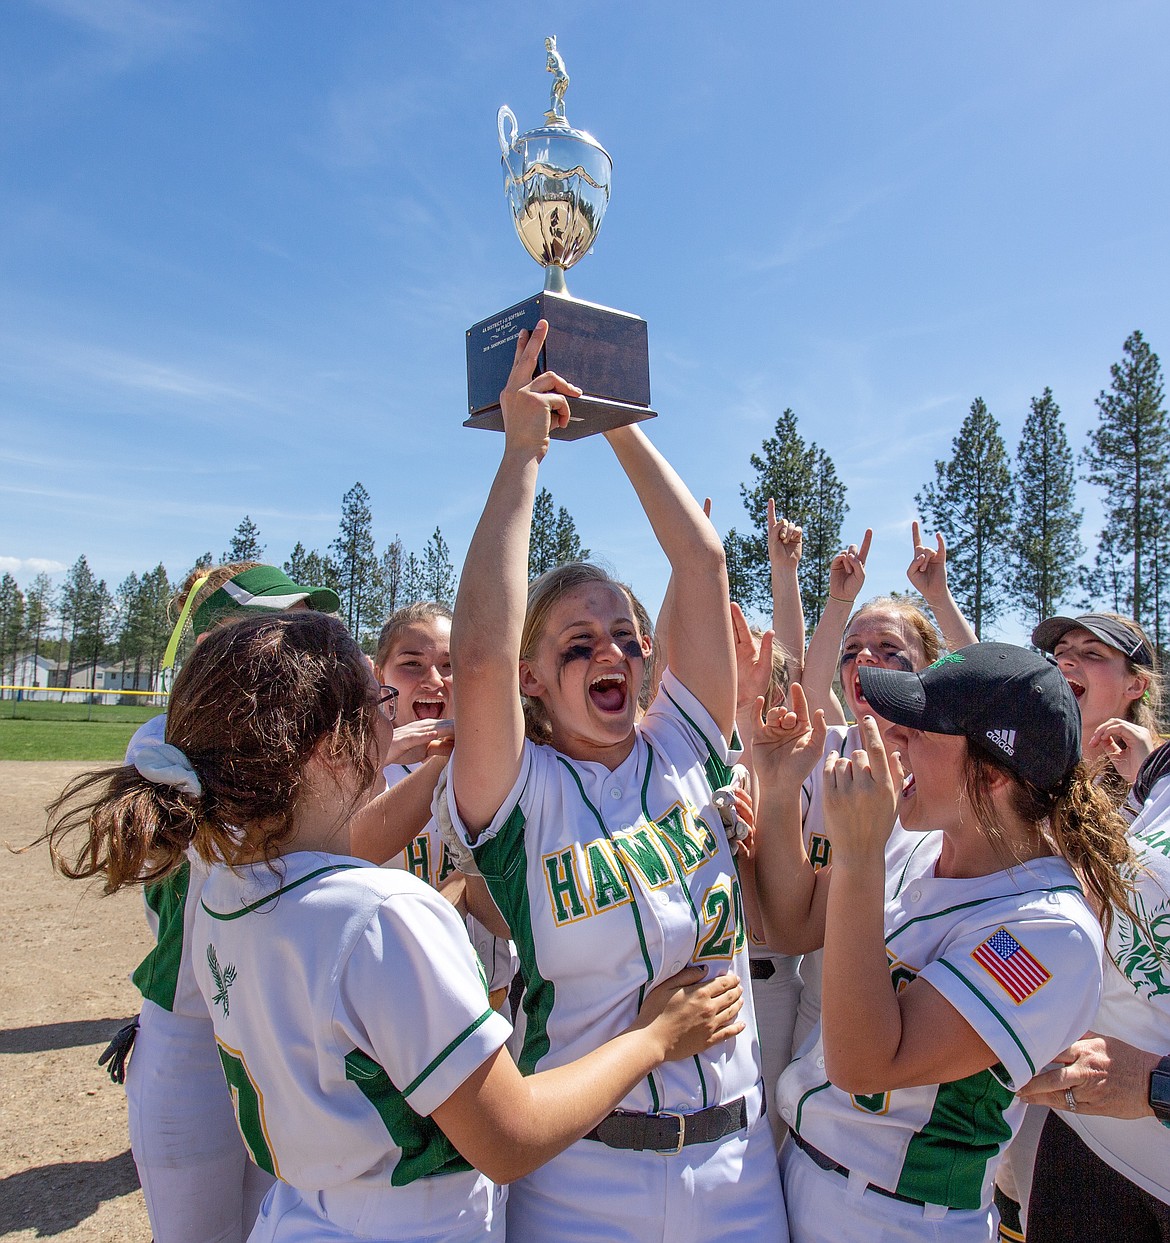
pixel 701 651
pixel 876 1039
pixel 927 573
pixel 493 588
pixel 785 544
pixel 792 896
pixel 846 578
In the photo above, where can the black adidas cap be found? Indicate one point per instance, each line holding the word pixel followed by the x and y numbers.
pixel 1013 704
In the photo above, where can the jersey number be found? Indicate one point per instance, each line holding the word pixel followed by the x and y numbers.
pixel 249 1107
pixel 723 915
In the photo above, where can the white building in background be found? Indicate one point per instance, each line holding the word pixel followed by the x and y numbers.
pixel 39 672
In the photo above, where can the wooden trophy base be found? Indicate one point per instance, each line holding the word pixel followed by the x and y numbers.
pixel 601 350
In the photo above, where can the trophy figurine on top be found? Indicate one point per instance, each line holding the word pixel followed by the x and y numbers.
pixel 557 180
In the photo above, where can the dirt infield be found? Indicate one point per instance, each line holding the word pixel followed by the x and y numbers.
pixel 65 1167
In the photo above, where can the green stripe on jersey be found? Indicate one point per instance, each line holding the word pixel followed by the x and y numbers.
pixel 999 1017
pixel 718 772
pixel 946 1162
pixel 442 1056
pixel 965 906
pixel 426 1151
pixel 271 897
pixel 503 863
pixel 157 976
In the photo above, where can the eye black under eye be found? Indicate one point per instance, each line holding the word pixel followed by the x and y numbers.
pixel 631 649
pixel 577 651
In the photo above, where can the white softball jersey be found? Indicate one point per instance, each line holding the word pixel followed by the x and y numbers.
pixel 612 881
pixel 429 858
pixel 1135 1006
pixel 196 1178
pixel 1018 954
pixel 844 740
pixel 348 1004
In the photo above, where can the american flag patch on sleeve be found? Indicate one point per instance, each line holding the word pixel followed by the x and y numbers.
pixel 1011 966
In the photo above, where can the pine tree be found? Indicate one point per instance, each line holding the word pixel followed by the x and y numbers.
pixel 39 605
pixel 353 550
pixel 245 545
pixel 154 618
pixel 568 542
pixel 438 574
pixel 542 546
pixel 1046 543
pixel 413 587
pixel 77 595
pixel 970 502
pixel 822 532
pixel 803 482
pixel 553 540
pixel 742 580
pixel 1127 455
pixel 390 577
pixel 11 627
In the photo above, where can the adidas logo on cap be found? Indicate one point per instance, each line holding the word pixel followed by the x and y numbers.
pixel 1004 739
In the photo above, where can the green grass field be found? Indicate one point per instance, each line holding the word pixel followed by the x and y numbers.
pixel 68 731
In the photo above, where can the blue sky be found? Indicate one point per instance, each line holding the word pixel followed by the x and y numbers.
pixel 242 242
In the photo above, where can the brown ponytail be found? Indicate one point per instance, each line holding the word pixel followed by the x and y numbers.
pixel 252 703
pixel 1079 821
pixel 135 831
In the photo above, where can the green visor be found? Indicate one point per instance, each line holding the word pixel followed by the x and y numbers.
pixel 262 587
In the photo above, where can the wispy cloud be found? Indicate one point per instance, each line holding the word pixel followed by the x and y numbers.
pixel 138 29
pixel 98 365
pixel 816 231
pixel 30 565
pixel 113 505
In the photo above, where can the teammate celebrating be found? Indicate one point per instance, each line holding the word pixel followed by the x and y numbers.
pixel 900 1110
pixel 414 656
pixel 196 1178
pixel 351 1018
pixel 599 840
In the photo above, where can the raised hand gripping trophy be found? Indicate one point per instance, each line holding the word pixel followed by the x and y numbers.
pixel 557 182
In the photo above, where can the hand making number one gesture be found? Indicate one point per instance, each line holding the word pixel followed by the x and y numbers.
pixel 847 571
pixel 861 795
pixel 534 405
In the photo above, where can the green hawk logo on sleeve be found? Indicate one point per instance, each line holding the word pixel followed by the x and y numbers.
pixel 223 979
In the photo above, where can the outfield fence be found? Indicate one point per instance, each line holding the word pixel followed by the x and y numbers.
pixel 75 703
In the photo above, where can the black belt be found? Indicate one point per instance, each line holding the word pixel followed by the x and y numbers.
pixel 670 1132
pixel 827 1163
pixel 762 968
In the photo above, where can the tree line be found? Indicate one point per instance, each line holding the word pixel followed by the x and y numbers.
pixel 1012 530
pixel 81 623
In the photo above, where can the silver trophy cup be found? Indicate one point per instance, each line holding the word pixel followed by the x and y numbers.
pixel 557 181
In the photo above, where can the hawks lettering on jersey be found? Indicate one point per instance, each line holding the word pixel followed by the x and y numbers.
pixel 418 857
pixel 593 877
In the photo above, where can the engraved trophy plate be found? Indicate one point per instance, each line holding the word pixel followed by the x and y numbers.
pixel 557 180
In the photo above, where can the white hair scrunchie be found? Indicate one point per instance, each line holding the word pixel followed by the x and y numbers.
pixel 166 765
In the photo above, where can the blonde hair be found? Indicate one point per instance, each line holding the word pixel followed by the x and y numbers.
pixel 544 593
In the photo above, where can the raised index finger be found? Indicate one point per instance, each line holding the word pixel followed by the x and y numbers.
pixel 866 540
pixel 916 534
pixel 528 347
